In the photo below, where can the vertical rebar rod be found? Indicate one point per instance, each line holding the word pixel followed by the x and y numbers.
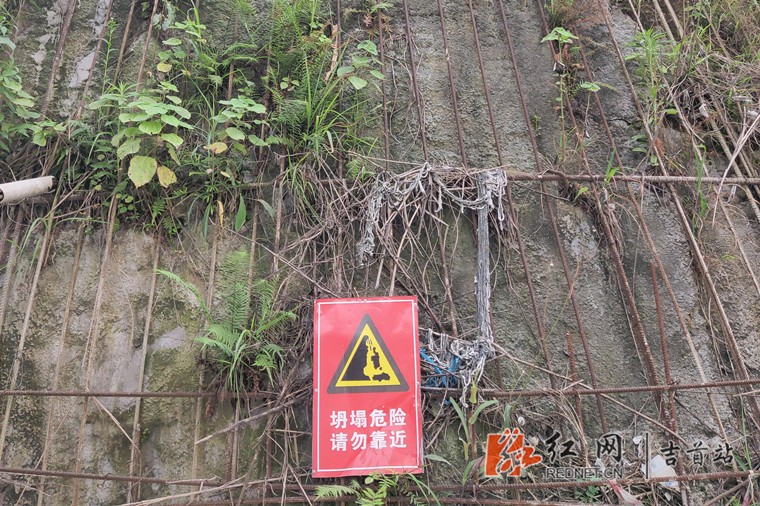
pixel 415 86
pixel 452 85
pixel 702 267
pixel 135 461
pixel 59 359
pixel 512 215
pixel 552 218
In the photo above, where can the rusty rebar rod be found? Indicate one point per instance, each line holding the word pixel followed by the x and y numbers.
pixel 586 390
pixel 105 393
pixel 430 390
pixel 510 205
pixel 278 485
pixel 511 173
pixel 22 471
pixel 552 218
pixel 728 334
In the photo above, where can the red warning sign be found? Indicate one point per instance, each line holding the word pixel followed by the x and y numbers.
pixel 367 410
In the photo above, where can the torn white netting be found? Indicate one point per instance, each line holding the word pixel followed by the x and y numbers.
pixel 491 188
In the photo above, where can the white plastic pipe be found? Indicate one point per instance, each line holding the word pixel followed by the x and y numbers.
pixel 15 192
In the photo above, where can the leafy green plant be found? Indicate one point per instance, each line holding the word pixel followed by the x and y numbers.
pixel 320 111
pixel 467 424
pixel 17 115
pixel 181 133
pixel 232 125
pixel 150 124
pixel 654 60
pixel 377 488
pixel 611 170
pixel 703 204
pixel 562 36
pixel 564 39
pixel 589 494
pixel 558 10
pixel 240 335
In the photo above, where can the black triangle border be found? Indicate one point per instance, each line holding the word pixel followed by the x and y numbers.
pixel 334 389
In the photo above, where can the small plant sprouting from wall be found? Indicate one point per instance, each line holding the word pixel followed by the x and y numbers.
pixel 240 336
pixel 377 488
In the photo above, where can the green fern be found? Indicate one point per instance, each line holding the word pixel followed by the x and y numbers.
pixel 241 340
pixel 187 286
pixel 263 292
pixel 233 273
pixel 269 359
pixel 332 491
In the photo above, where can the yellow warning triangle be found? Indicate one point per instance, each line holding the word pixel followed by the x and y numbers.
pixel 367 365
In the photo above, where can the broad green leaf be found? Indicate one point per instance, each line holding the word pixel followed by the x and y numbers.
pixel 361 61
pixel 174 41
pixel 39 139
pixel 13 85
pixel 589 86
pixel 240 214
pixel 128 117
pixel 151 127
pixel 479 409
pixel 23 102
pixel 128 147
pixel 377 75
pixel 184 113
pixel 153 109
pixel 269 209
pixel 168 86
pixel 173 99
pixel 436 458
pixel 173 139
pixel 357 82
pixel 559 34
pixel 216 148
pixel 258 109
pixel 116 139
pixel 164 67
pixel 368 46
pixel 257 141
pixel 166 176
pixel 5 41
pixel 235 133
pixel 170 120
pixel 142 169
pixel 342 71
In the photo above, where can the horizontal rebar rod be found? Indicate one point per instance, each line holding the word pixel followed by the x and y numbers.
pixel 171 395
pixel 107 477
pixel 512 175
pixel 580 390
pixel 518 485
pixel 388 500
pixel 585 390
